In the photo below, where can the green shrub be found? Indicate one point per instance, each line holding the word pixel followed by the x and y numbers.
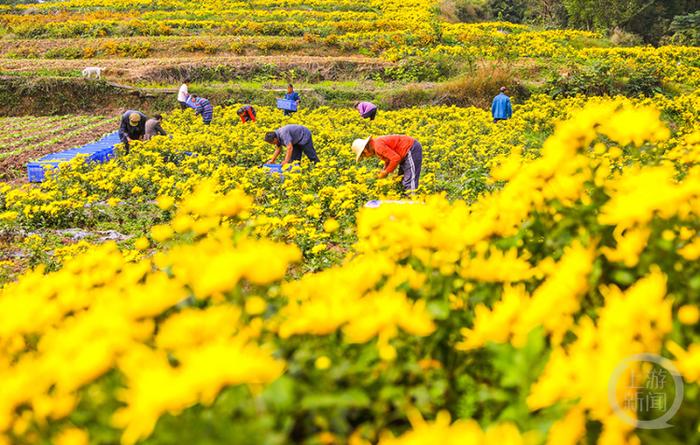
pixel 410 96
pixel 138 50
pixel 432 67
pixel 70 52
pixel 686 29
pixel 620 37
pixel 470 11
pixel 603 78
pixel 479 86
pixel 200 45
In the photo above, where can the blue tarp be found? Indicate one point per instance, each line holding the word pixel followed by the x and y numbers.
pixel 99 151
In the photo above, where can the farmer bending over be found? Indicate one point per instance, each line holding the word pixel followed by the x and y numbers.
pixel 296 138
pixel 501 108
pixel 246 113
pixel 154 128
pixel 132 127
pixel 202 107
pixel 396 151
pixel 367 110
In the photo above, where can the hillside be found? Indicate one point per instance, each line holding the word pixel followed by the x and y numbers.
pixel 338 54
pixel 452 264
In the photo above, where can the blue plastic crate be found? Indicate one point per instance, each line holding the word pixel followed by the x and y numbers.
pixel 287 105
pixel 277 170
pixel 35 170
pixel 274 168
pixel 373 204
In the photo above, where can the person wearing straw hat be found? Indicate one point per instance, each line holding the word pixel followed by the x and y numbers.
pixel 396 151
pixel 132 128
pixel 501 108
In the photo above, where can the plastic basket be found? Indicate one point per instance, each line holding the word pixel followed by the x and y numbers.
pixel 35 171
pixel 287 105
pixel 274 168
pixel 373 204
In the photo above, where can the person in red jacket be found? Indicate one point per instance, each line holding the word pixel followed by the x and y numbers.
pixel 246 113
pixel 396 151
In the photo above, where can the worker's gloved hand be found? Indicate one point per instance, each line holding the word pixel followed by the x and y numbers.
pixel 382 174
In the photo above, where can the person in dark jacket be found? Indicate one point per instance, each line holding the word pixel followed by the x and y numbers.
pixel 132 128
pixel 154 128
pixel 297 139
pixel 501 108
pixel 246 113
pixel 202 107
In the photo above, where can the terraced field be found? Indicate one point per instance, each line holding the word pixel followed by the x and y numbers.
pixel 189 293
pixel 30 137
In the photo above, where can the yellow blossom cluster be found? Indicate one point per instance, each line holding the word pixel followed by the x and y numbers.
pixel 103 312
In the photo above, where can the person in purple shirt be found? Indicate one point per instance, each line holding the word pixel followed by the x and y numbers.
pixel 367 110
pixel 296 138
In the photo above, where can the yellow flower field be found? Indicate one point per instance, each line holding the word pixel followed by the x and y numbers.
pixel 258 308
pixel 183 293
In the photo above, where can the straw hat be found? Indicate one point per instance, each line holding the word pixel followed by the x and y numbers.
pixel 358 146
pixel 134 119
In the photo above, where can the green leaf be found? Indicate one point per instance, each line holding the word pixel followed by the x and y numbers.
pixel 353 398
pixel 279 395
pixel 623 277
pixel 440 310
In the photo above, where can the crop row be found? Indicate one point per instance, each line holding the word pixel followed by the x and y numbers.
pixel 61 135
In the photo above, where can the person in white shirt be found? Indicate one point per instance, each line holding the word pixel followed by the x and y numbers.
pixel 182 95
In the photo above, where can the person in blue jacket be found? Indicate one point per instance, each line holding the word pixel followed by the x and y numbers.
pixel 293 96
pixel 501 108
pixel 202 107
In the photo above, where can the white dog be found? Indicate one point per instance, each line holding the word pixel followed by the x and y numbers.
pixel 92 70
